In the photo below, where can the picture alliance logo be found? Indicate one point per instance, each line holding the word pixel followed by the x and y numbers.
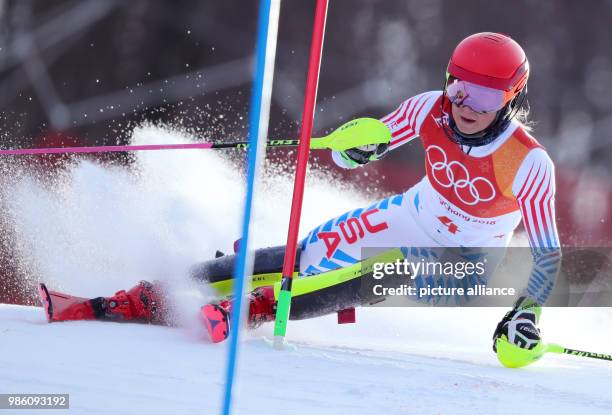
pixel 455 175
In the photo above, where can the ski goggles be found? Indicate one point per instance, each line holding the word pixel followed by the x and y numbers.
pixel 479 98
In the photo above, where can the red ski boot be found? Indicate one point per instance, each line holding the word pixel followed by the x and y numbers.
pixel 144 303
pixel 216 316
pixel 60 307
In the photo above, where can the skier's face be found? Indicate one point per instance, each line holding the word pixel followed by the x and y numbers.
pixel 469 121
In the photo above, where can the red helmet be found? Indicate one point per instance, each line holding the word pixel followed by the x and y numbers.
pixel 492 60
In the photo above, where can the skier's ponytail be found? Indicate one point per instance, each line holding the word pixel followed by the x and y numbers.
pixel 522 118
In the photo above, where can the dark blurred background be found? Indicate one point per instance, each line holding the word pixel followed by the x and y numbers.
pixel 85 72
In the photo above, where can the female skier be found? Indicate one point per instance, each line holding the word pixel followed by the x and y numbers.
pixel 484 173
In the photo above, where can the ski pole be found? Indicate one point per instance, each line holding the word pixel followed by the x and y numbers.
pixel 556 348
pixel 359 132
pixel 513 356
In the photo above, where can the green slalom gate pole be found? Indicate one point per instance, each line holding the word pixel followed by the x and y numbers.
pixel 284 298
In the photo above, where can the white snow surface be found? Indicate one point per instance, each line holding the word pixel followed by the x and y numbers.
pixel 102 229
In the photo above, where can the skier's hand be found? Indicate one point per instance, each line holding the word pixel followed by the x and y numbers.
pixel 516 339
pixel 358 156
pixel 519 325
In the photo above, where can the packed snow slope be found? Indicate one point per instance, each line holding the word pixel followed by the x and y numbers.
pixel 101 229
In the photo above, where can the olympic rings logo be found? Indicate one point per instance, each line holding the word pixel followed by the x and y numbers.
pixel 458 177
